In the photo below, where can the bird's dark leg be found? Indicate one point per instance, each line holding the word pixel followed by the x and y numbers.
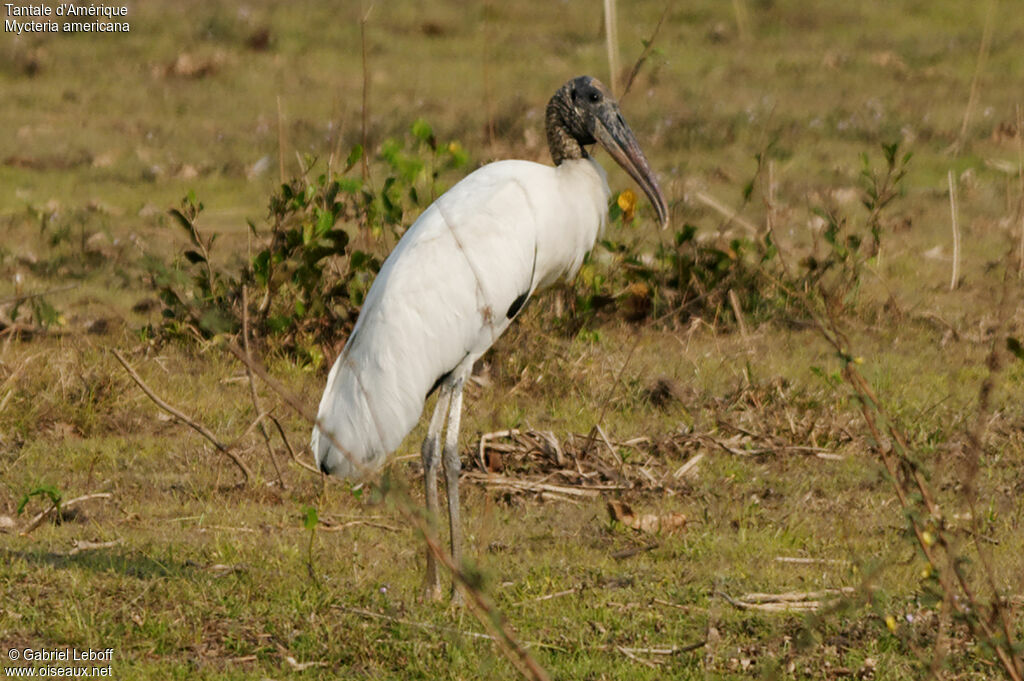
pixel 452 467
pixel 430 453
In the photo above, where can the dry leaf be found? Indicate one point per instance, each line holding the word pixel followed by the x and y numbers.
pixel 648 522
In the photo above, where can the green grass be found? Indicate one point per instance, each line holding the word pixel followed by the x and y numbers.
pixel 208 581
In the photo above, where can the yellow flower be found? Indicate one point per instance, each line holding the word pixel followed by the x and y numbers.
pixel 890 622
pixel 627 203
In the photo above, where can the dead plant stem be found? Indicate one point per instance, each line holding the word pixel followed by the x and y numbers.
pixel 252 388
pixel 178 414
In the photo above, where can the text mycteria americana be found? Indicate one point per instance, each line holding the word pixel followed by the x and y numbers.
pixel 456 280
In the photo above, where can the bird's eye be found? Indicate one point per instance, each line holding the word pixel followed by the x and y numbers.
pixel 594 97
pixel 574 95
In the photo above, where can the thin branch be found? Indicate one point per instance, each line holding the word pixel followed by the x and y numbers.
pixel 365 111
pixel 198 427
pixel 437 627
pixel 648 46
pixel 252 386
pixel 979 66
pixel 956 231
pixel 280 141
pixel 729 214
pixel 1020 197
pixel 29 296
pixel 291 452
pixel 611 37
pixel 64 505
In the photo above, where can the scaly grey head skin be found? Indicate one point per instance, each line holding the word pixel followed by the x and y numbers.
pixel 583 112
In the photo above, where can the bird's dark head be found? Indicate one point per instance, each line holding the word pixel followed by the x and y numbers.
pixel 583 112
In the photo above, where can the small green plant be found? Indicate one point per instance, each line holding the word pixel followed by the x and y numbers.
pixel 881 187
pixel 303 285
pixel 44 490
pixel 37 310
pixel 310 520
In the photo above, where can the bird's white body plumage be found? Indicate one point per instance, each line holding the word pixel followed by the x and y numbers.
pixel 443 296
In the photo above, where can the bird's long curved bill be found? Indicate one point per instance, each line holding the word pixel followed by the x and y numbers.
pixel 616 137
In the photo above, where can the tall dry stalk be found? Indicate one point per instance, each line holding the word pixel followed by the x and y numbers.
pixel 742 20
pixel 611 36
pixel 956 231
pixel 280 141
pixel 365 111
pixel 1020 197
pixel 648 46
pixel 989 621
pixel 979 67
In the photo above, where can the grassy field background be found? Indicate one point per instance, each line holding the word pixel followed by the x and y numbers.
pixel 186 575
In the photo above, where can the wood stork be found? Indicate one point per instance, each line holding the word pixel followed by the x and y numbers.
pixel 454 283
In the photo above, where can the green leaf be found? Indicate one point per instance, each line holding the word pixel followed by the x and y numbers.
pixel 422 131
pixel 359 259
pixel 748 190
pixel 279 323
pixel 350 185
pixel 216 321
pixel 310 517
pixel 186 224
pixel 354 157
pixel 41 491
pixel 687 233
pixel 324 222
pixel 261 266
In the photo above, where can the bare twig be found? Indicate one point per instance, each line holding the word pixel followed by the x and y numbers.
pixel 437 627
pixel 799 560
pixel 633 656
pixel 979 66
pixel 809 601
pixel 734 302
pixel 64 505
pixel 291 452
pixel 795 596
pixel 28 296
pixel 688 468
pixel 1020 197
pixel 548 597
pixel 501 481
pixel 729 214
pixel 280 141
pixel 648 46
pixel 84 545
pixel 252 387
pixel 611 36
pixel 742 20
pixel 611 391
pixel 956 231
pixel 365 111
pixel 198 427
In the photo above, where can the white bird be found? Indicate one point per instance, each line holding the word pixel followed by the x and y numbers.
pixel 453 284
